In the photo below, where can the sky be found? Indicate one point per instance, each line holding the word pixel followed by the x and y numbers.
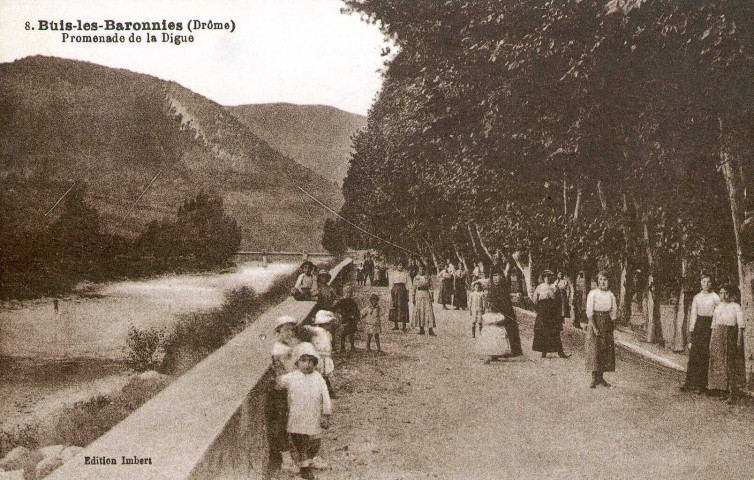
pixel 296 51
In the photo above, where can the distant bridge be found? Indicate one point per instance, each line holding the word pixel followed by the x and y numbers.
pixel 301 254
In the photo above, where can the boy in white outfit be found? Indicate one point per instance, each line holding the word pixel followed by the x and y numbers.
pixel 309 407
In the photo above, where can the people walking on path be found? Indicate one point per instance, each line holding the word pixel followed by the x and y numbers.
pixel 700 330
pixel 602 311
pixel 446 285
pixel 477 300
pixel 348 311
pixel 399 297
pixel 549 320
pixel 726 350
pixel 424 316
pixel 499 300
pixel 565 287
pixel 459 287
pixel 371 320
pixel 309 408
pixel 493 339
pixel 368 270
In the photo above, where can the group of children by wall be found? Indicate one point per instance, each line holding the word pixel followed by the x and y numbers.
pixel 299 402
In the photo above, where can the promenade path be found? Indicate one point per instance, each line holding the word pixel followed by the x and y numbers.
pixel 429 408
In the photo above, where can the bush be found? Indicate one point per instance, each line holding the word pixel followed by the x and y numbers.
pixel 143 348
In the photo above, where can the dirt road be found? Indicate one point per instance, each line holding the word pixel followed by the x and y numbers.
pixel 429 408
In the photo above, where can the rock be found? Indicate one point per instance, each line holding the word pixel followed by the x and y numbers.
pixel 21 458
pixel 14 475
pixel 46 466
pixel 70 452
pixel 52 451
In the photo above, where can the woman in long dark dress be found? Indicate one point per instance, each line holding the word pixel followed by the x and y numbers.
pixel 460 300
pixel 700 329
pixel 499 300
pixel 549 321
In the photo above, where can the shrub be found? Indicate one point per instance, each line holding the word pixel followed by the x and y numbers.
pixel 142 346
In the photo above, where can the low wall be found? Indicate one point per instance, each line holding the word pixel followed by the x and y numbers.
pixel 209 423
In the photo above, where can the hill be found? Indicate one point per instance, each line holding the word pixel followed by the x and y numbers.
pixel 110 131
pixel 316 136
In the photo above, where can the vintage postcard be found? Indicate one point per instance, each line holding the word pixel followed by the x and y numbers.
pixel 376 239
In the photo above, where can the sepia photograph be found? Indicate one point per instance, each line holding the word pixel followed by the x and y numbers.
pixel 377 239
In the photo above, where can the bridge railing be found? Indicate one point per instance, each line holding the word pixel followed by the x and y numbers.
pixel 208 423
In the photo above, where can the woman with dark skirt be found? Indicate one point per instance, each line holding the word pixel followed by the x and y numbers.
pixel 549 321
pixel 599 349
pixel 399 297
pixel 499 300
pixel 727 365
pixel 700 331
pixel 446 285
pixel 459 288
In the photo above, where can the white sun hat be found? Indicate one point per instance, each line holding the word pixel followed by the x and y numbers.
pixel 324 316
pixel 283 320
pixel 304 348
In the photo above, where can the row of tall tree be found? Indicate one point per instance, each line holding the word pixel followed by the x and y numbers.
pixel 76 247
pixel 572 134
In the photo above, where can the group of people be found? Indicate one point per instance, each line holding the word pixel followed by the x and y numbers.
pixel 374 272
pixel 299 402
pixel 716 351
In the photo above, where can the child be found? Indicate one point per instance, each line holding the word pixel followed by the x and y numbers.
pixel 309 407
pixel 371 317
pixel 493 340
pixel 348 311
pixel 322 340
pixel 277 406
pixel 477 300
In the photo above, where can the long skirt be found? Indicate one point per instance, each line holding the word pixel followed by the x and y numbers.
pixel 726 361
pixel 698 366
pixel 446 292
pixel 565 305
pixel 514 338
pixel 492 341
pixel 424 316
pixel 547 326
pixel 459 294
pixel 599 350
pixel 399 304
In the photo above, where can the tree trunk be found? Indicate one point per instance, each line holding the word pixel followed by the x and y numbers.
pixel 603 198
pixel 526 270
pixel 624 299
pixel 679 336
pixel 654 328
pixel 578 204
pixel 565 197
pixel 735 182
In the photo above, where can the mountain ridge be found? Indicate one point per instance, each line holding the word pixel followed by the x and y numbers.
pixel 111 131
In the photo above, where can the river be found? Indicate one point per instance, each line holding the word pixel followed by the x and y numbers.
pixel 95 322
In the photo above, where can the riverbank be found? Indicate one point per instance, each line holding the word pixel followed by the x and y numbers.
pixel 35 392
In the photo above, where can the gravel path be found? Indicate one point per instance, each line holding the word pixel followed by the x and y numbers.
pixel 428 408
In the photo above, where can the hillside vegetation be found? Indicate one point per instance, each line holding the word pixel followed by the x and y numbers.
pixel 316 136
pixel 111 131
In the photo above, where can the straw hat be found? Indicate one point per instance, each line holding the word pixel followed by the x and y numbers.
pixel 324 316
pixel 283 320
pixel 548 272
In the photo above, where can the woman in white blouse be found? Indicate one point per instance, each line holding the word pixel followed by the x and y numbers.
pixel 726 350
pixel 602 311
pixel 700 330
